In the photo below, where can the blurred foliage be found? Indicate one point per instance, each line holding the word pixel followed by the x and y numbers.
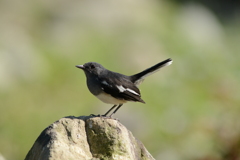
pixel 192 110
pixel 225 10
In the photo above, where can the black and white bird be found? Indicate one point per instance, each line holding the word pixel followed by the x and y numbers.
pixel 115 88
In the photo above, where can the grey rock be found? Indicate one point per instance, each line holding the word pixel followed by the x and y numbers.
pixel 87 138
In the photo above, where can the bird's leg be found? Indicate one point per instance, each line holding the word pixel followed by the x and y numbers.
pixel 120 105
pixel 109 110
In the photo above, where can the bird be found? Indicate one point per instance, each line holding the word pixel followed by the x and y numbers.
pixel 115 88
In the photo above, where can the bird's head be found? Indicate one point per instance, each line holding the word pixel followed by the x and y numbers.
pixel 91 68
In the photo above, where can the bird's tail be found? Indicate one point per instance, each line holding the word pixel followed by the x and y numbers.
pixel 139 77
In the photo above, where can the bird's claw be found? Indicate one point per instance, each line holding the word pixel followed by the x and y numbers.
pixel 94 115
pixel 103 116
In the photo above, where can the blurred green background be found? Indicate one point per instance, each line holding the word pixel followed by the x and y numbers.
pixel 192 109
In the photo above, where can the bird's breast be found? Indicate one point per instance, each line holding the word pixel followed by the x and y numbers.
pixel 94 86
pixel 107 98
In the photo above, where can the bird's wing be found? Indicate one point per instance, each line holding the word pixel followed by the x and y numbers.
pixel 121 88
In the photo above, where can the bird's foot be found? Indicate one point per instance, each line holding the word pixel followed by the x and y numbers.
pixel 104 116
pixel 94 115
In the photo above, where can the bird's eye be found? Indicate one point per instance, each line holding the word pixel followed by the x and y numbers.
pixel 92 66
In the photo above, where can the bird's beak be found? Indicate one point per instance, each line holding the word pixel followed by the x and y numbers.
pixel 80 66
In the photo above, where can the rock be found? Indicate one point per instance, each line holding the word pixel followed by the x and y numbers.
pixel 87 137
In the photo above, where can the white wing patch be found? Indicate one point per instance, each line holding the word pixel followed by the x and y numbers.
pixel 122 89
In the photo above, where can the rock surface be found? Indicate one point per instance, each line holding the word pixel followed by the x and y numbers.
pixel 87 137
